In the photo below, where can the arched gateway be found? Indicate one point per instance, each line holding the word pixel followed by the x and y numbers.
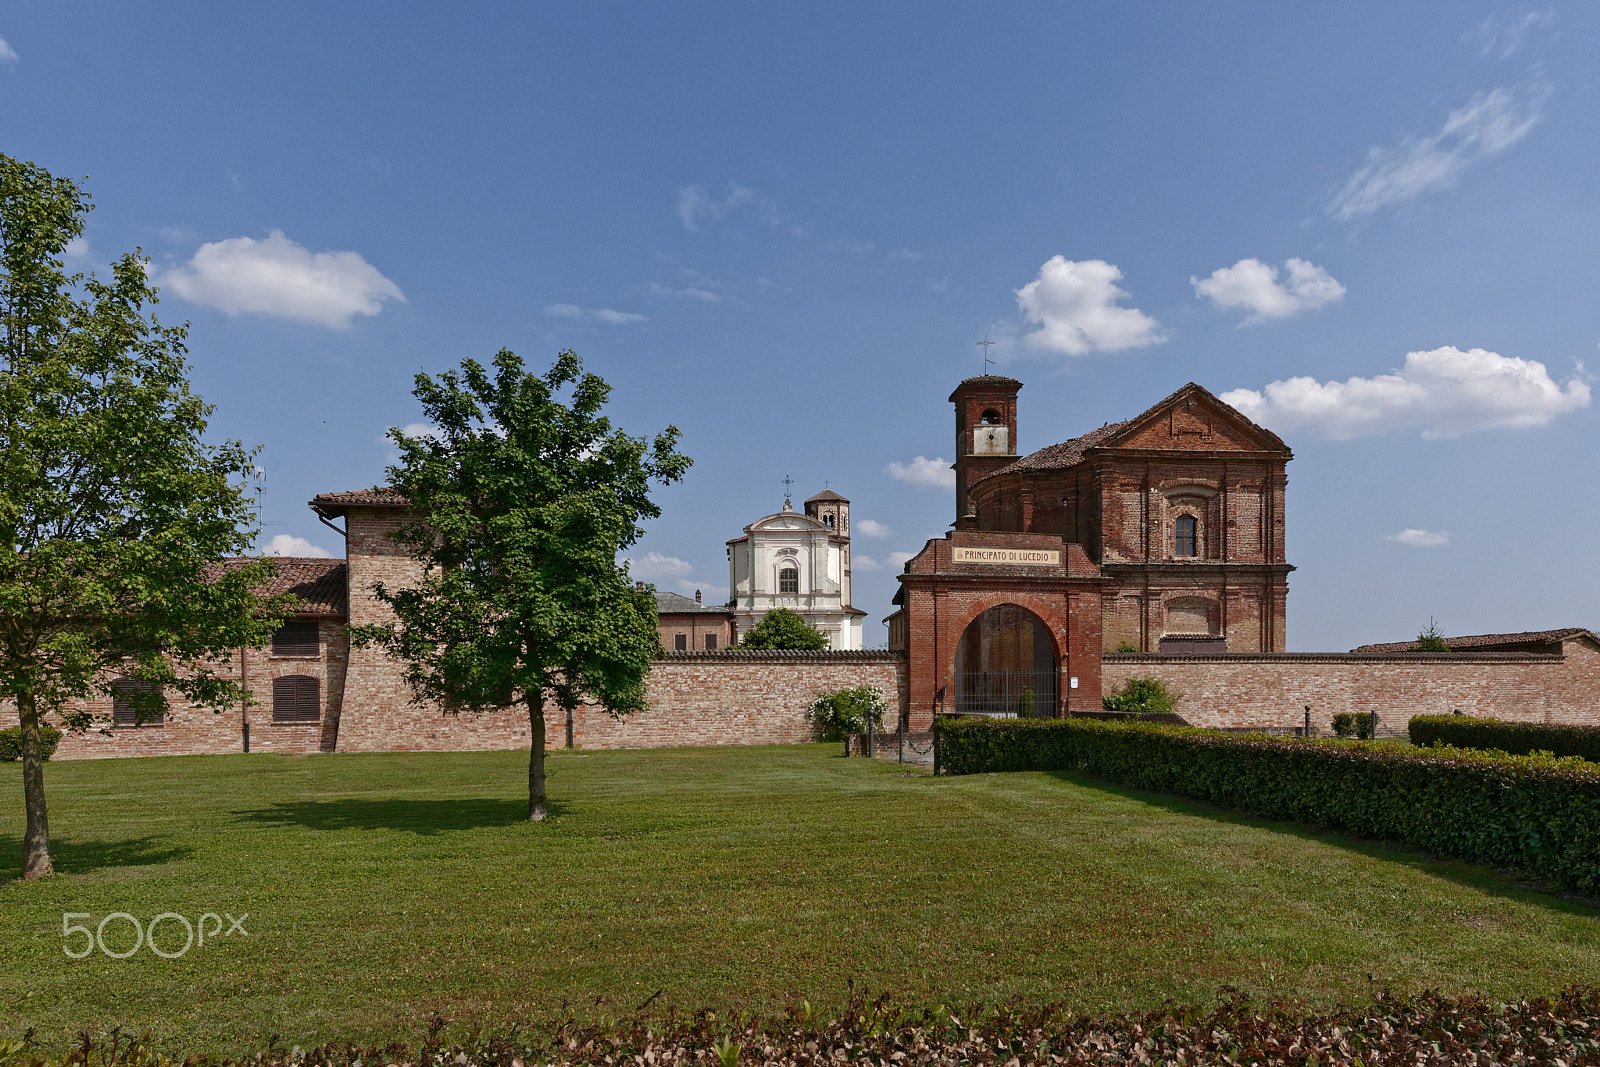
pixel 1007 665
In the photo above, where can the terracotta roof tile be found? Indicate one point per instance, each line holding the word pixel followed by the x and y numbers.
pixel 827 494
pixel 673 604
pixel 318 582
pixel 1066 454
pixel 1483 641
pixel 380 496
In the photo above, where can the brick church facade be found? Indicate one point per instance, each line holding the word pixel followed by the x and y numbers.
pixel 1164 533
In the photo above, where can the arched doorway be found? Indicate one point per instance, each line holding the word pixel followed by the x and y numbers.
pixel 1007 665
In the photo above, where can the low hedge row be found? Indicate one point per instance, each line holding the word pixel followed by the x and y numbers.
pixel 1518 738
pixel 1537 812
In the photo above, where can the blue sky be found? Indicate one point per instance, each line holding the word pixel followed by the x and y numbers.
pixel 784 229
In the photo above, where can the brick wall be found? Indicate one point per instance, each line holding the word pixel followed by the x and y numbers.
pixel 188 730
pixel 1239 691
pixel 730 698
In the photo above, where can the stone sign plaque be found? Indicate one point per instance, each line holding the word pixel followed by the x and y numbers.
pixel 1025 557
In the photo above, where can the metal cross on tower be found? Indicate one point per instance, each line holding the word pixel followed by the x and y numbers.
pixel 787 482
pixel 986 344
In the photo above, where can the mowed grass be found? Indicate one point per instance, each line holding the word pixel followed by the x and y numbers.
pixel 381 888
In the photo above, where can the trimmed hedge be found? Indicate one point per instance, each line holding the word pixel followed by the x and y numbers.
pixel 1518 738
pixel 11 743
pixel 1537 812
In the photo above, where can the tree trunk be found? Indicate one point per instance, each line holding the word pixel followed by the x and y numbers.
pixel 537 808
pixel 36 838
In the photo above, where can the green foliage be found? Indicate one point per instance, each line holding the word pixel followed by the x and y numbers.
pixel 847 711
pixel 1344 724
pixel 115 513
pixel 1519 738
pixel 11 743
pixel 1430 639
pixel 522 502
pixel 1537 812
pixel 1125 646
pixel 781 628
pixel 1142 696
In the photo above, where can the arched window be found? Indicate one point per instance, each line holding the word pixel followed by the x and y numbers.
pixel 827 520
pixel 789 580
pixel 296 698
pixel 991 417
pixel 1185 543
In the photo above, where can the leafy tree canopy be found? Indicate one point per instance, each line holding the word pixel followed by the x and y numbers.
pixel 115 514
pixel 848 711
pixel 781 628
pixel 1430 639
pixel 524 494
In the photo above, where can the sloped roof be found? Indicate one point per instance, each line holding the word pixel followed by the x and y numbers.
pixel 827 494
pixel 673 604
pixel 1066 454
pixel 1485 642
pixel 318 582
pixel 378 497
pixel 1071 453
pixel 985 379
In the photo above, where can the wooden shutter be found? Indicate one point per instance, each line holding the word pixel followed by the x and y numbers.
pixel 295 639
pixel 711 642
pixel 680 642
pixel 296 698
pixel 122 710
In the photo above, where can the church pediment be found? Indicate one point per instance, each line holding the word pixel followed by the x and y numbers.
pixel 786 521
pixel 1193 420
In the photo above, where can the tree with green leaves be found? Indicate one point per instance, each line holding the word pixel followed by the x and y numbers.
pixel 781 628
pixel 523 494
pixel 115 514
pixel 1430 639
pixel 1141 695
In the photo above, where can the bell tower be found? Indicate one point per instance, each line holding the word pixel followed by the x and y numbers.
pixel 986 434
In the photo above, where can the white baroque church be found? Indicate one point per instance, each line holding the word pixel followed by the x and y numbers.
pixel 800 562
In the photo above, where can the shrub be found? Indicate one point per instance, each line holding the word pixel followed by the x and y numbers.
pixel 1431 640
pixel 781 628
pixel 847 711
pixel 1519 738
pixel 1125 646
pixel 1141 696
pixel 1537 812
pixel 11 743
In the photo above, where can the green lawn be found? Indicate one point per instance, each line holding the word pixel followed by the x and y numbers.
pixel 383 887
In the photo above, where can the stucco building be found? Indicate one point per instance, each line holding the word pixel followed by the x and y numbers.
pixel 800 562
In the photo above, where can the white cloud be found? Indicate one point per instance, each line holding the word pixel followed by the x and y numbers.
pixel 687 292
pixel 604 316
pixel 413 429
pixel 899 559
pixel 1074 306
pixel 286 545
pixel 1254 286
pixel 276 276
pixel 1487 125
pixel 1446 392
pixel 697 207
pixel 711 592
pixel 7 53
pixel 1503 36
pixel 78 249
pixel 872 528
pixel 655 565
pixel 859 562
pixel 932 473
pixel 1420 538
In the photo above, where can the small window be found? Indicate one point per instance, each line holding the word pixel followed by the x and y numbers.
pixel 991 417
pixel 711 642
pixel 680 642
pixel 295 639
pixel 123 712
pixel 788 580
pixel 827 520
pixel 296 698
pixel 1184 536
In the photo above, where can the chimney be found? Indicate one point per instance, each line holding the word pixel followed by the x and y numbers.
pixel 697 596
